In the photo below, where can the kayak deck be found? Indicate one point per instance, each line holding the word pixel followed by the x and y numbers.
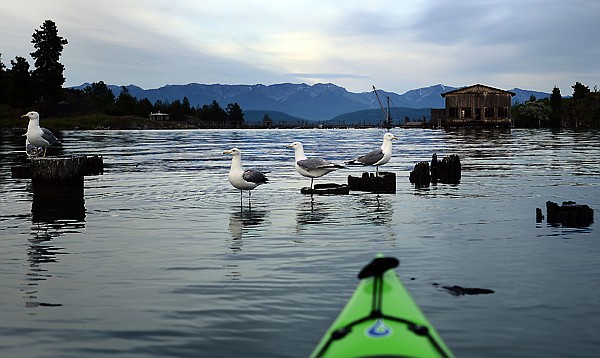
pixel 381 319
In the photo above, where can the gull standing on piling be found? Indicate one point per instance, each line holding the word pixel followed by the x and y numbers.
pixel 38 136
pixel 243 179
pixel 378 156
pixel 313 167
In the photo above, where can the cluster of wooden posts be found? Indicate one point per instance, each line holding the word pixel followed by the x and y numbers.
pixel 446 171
pixel 569 214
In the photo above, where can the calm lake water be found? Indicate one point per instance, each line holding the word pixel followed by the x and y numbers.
pixel 163 262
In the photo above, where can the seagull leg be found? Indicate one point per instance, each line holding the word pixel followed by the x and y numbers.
pixel 44 156
pixel 311 183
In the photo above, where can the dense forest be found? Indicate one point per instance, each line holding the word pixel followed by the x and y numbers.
pixel 581 110
pixel 40 88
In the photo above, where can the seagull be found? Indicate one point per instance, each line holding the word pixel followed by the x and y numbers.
pixel 243 179
pixel 313 167
pixel 38 136
pixel 378 156
pixel 31 150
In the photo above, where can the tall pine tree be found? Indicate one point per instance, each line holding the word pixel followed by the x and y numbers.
pixel 48 73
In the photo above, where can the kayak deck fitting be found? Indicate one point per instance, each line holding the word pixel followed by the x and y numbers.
pixel 381 320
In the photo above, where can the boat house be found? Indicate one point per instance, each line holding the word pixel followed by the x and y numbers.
pixel 160 116
pixel 475 106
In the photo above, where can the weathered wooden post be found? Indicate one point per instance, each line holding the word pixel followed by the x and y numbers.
pixel 57 185
pixel 570 214
pixel 450 170
pixel 420 175
pixel 384 183
pixel 434 169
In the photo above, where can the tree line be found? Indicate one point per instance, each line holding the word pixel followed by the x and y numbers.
pixel 23 88
pixel 581 110
pixel 41 88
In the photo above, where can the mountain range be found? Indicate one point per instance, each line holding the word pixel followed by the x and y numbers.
pixel 321 102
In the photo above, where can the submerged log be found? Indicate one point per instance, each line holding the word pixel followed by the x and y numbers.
pixel 385 183
pixel 570 214
pixel 329 188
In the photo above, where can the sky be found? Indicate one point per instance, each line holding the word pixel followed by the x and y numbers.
pixel 395 46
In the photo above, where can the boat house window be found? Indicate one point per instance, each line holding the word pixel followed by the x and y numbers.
pixel 466 112
pixel 502 112
pixel 453 112
pixel 488 112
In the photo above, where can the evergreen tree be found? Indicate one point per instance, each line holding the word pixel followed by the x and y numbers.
pixel 556 106
pixel 126 103
pixel 101 96
pixel 216 113
pixel 21 91
pixel 143 108
pixel 48 73
pixel 3 83
pixel 176 112
pixel 187 108
pixel 235 116
pixel 580 91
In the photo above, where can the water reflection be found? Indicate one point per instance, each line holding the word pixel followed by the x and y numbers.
pixel 56 210
pixel 311 211
pixel 41 253
pixel 243 221
pixel 57 202
pixel 376 208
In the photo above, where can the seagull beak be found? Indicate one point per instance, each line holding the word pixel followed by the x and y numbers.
pixel 227 152
pixel 394 138
pixel 289 146
pixel 24 116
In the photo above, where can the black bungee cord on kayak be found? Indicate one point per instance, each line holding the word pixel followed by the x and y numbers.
pixel 376 269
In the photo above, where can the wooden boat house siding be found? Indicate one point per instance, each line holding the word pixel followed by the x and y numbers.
pixel 475 106
pixel 160 116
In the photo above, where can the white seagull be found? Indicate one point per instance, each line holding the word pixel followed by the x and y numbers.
pixel 379 156
pixel 243 179
pixel 313 167
pixel 37 136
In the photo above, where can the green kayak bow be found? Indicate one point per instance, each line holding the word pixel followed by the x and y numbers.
pixel 381 320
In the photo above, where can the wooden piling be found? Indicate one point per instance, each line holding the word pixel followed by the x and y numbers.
pixel 385 183
pixel 57 185
pixel 420 176
pixel 446 171
pixel 449 170
pixel 570 214
pixel 59 169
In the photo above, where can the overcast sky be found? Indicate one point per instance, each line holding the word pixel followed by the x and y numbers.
pixel 395 45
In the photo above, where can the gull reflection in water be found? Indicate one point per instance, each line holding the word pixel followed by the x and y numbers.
pixel 245 222
pixel 375 208
pixel 311 212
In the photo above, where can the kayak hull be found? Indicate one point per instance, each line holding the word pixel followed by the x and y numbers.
pixel 381 319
